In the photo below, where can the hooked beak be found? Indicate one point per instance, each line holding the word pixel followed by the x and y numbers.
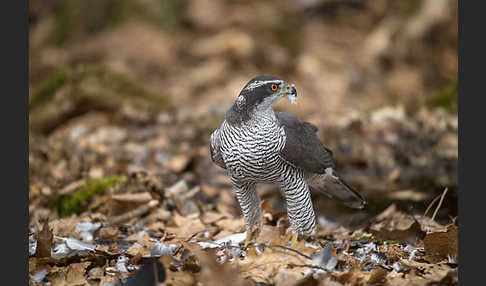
pixel 291 93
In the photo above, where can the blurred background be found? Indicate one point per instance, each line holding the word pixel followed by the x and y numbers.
pixel 125 86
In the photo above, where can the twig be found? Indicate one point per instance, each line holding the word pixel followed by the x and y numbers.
pixel 309 266
pixel 440 203
pixel 193 235
pixel 71 187
pixel 431 204
pixel 291 249
pixel 131 214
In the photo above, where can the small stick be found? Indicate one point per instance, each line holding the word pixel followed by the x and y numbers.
pixel 440 202
pixel 431 204
pixel 291 249
pixel 308 265
pixel 131 214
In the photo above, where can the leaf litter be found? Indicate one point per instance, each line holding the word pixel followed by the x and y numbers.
pixel 395 248
pixel 124 191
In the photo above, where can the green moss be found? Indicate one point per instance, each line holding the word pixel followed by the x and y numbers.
pixel 446 98
pixel 46 89
pixel 77 202
pixel 103 83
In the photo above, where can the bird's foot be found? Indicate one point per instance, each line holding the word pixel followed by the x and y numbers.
pixel 293 240
pixel 251 234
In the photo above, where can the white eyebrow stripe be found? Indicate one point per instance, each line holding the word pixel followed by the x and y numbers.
pixel 259 83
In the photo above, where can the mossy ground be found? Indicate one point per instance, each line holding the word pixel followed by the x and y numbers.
pixel 45 90
pixel 77 202
pixel 445 98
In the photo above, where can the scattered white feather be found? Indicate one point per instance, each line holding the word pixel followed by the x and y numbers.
pixel 86 230
pixel 412 254
pixel 311 245
pixel 397 266
pixel 69 247
pixel 60 251
pixel 39 275
pixel 230 240
pixel 120 266
pixel 408 248
pixel 32 244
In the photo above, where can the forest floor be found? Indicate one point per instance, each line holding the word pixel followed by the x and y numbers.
pixel 122 187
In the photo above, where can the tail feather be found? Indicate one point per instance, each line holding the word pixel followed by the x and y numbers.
pixel 334 186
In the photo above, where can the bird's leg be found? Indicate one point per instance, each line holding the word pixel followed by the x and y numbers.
pixel 299 208
pixel 251 234
pixel 250 206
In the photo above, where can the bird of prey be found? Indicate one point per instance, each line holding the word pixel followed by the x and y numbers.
pixel 256 145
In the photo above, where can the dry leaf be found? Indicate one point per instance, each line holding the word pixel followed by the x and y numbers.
pixel 44 241
pixel 377 277
pixel 109 232
pixel 231 224
pixel 442 244
pixel 186 226
pixel 178 163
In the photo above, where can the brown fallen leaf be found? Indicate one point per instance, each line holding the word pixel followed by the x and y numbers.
pixel 65 227
pixel 44 241
pixel 138 250
pixel 392 224
pixel 96 273
pixel 210 190
pixel 412 232
pixel 439 245
pixel 231 224
pixel 186 226
pixel 108 280
pixel 377 277
pixel 109 232
pixel 307 281
pixel 211 217
pixel 260 267
pixel 178 163
pixel 352 277
pixel 267 234
pixel 213 273
pixel 73 274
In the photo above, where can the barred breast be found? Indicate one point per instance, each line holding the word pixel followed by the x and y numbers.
pixel 250 151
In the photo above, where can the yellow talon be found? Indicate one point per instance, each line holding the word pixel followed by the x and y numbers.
pixel 293 242
pixel 251 234
pixel 248 238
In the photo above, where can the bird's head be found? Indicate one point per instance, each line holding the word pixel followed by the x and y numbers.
pixel 262 92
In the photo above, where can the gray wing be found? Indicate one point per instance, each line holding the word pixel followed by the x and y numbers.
pixel 303 148
pixel 214 148
pixel 334 186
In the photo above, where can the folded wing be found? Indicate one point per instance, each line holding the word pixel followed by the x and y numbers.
pixel 303 149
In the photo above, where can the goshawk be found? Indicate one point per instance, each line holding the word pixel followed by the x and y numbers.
pixel 256 145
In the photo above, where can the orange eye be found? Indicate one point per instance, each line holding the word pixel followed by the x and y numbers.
pixel 274 87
